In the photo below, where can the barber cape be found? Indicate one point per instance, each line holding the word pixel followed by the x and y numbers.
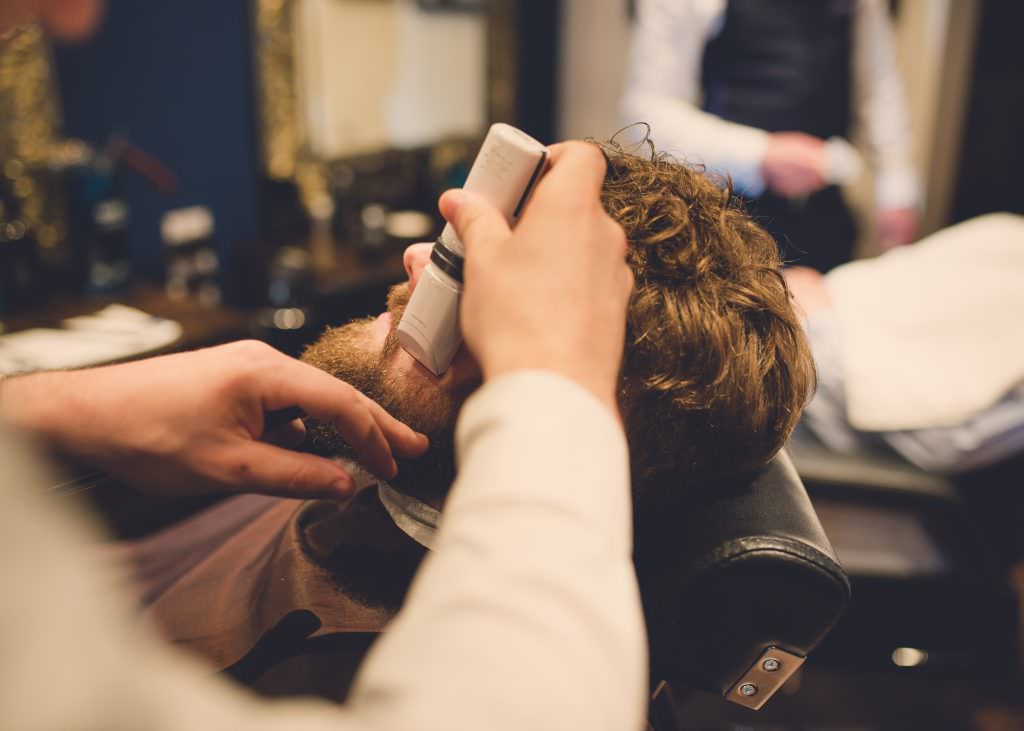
pixel 934 332
pixel 286 596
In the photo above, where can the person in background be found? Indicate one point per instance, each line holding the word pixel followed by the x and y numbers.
pixel 759 88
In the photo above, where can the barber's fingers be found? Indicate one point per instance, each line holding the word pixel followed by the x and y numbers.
pixel 370 430
pixel 263 468
pixel 576 169
pixel 476 221
pixel 575 157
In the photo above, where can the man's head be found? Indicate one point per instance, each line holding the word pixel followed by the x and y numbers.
pixel 715 370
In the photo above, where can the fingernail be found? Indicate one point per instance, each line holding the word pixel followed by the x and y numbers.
pixel 393 469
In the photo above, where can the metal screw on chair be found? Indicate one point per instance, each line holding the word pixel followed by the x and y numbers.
pixel 771 665
pixel 748 689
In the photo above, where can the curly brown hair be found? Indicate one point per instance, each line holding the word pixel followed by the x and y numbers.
pixel 716 367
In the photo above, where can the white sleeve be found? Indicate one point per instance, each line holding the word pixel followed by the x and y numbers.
pixel 526 616
pixel 880 108
pixel 664 89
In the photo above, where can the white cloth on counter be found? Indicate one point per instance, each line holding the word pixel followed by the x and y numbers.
pixel 113 333
pixel 933 333
pixel 525 616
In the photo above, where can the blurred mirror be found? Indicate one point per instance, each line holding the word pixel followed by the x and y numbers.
pixel 375 74
pixel 367 110
pixel 345 78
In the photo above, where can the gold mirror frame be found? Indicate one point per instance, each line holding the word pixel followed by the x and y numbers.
pixel 29 138
pixel 282 133
pixel 283 143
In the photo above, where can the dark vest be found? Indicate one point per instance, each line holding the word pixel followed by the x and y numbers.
pixel 782 65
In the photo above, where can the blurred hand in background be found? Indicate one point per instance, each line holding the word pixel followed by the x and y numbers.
pixel 794 164
pixel 66 20
pixel 896 227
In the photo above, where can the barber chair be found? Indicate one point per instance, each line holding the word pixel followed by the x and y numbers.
pixel 931 597
pixel 752 586
pixel 739 584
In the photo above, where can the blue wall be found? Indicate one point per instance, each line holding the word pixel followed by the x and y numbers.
pixel 175 78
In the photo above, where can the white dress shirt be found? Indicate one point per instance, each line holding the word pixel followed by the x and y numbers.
pixel 525 616
pixel 664 89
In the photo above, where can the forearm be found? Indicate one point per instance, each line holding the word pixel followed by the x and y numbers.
pixel 45 405
pixel 75 412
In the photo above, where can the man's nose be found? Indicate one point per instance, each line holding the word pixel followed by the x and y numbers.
pixel 415 260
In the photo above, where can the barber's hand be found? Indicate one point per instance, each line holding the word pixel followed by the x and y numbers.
pixel 553 293
pixel 195 422
pixel 896 227
pixel 794 164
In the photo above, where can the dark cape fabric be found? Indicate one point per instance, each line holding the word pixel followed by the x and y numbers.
pixel 286 596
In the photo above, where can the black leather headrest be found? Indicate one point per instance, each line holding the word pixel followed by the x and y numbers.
pixel 727 570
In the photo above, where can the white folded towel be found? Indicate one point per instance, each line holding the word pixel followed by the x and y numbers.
pixel 934 332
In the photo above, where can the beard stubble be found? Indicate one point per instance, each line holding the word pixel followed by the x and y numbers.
pixel 415 398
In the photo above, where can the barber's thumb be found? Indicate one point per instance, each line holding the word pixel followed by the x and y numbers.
pixel 476 221
pixel 271 470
